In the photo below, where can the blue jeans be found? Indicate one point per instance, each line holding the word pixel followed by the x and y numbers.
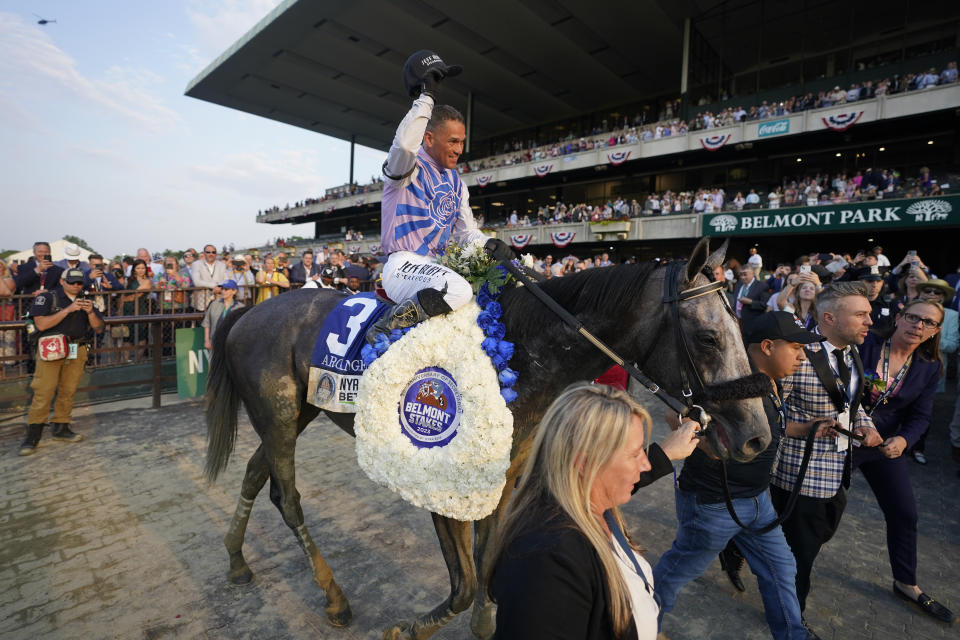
pixel 704 530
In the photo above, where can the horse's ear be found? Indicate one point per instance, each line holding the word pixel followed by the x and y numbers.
pixel 699 258
pixel 716 258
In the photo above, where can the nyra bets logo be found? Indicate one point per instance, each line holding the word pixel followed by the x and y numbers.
pixel 431 408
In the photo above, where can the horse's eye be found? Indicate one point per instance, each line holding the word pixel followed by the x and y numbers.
pixel 708 340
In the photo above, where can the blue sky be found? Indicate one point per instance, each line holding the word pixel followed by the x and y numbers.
pixel 99 141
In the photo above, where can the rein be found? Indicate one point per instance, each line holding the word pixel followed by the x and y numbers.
pixel 685 408
pixel 673 296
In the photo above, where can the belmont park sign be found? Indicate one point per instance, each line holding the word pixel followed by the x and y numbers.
pixel 852 216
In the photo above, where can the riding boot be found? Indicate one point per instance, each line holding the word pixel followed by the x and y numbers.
pixel 731 561
pixel 32 441
pixel 62 431
pixel 426 304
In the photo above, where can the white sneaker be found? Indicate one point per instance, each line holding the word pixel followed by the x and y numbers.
pixel 919 457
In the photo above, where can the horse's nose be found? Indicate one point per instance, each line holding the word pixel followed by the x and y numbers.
pixel 754 446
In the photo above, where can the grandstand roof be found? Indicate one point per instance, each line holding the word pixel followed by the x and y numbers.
pixel 333 66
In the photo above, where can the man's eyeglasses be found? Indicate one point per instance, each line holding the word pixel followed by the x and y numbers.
pixel 934 291
pixel 209 251
pixel 928 323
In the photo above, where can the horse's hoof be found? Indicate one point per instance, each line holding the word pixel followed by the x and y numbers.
pixel 240 578
pixel 340 618
pixel 397 632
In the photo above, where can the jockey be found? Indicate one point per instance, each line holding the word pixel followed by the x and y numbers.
pixel 425 204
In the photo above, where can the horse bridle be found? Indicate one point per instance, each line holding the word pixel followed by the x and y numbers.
pixel 673 296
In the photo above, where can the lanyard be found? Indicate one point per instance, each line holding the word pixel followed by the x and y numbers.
pixel 885 372
pixel 622 541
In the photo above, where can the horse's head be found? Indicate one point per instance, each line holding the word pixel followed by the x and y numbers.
pixel 704 352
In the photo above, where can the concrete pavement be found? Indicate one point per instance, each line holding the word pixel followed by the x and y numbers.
pixel 119 536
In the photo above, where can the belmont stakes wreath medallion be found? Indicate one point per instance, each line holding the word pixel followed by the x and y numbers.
pixel 431 423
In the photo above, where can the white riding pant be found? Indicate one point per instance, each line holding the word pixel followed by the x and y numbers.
pixel 406 273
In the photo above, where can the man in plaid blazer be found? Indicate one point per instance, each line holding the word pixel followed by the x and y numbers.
pixel 823 394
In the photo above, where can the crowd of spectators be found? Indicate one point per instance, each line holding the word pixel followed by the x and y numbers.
pixel 810 190
pixel 186 282
pixel 618 132
pixel 335 193
pixel 671 124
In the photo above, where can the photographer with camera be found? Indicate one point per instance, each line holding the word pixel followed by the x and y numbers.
pixel 39 274
pixel 239 272
pixel 64 318
pixel 99 279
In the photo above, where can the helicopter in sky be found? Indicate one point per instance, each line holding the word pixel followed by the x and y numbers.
pixel 43 21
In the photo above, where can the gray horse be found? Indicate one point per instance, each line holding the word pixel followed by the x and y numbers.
pixel 261 357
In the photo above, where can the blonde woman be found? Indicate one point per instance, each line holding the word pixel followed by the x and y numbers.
pixel 562 566
pixel 270 275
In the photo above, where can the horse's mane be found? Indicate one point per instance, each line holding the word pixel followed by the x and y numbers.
pixel 606 288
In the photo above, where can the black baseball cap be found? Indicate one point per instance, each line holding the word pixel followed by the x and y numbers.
pixel 73 276
pixel 328 272
pixel 870 273
pixel 781 325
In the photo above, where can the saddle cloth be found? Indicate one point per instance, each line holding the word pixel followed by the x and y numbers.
pixel 336 365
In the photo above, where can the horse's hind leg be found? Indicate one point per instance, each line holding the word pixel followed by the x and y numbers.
pixel 253 479
pixel 284 494
pixel 483 619
pixel 454 538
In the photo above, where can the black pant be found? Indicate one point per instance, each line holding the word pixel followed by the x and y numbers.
pixel 809 526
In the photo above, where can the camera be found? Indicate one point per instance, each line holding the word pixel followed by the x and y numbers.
pixel 118 273
pixel 44 257
pixel 83 295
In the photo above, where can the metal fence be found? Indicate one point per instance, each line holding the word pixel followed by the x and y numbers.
pixel 140 326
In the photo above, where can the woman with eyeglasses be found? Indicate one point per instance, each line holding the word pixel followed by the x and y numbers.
pixel 901 372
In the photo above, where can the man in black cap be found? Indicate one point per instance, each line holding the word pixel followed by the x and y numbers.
pixel 882 312
pixel 64 319
pixel 775 347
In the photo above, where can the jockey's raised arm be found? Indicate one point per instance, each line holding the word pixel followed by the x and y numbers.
pixel 425 203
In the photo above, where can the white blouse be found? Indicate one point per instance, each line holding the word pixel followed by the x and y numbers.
pixel 645 609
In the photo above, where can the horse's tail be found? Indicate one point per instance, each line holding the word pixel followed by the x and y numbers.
pixel 222 401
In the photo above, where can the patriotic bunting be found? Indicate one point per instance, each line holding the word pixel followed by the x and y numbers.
pixel 354 248
pixel 542 169
pixel 483 181
pixel 618 157
pixel 562 238
pixel 520 240
pixel 712 143
pixel 842 121
pixel 374 248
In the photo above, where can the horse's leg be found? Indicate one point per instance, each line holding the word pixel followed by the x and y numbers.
pixel 483 621
pixel 256 475
pixel 454 536
pixel 284 495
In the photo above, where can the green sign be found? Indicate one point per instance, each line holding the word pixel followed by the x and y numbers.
pixel 193 361
pixel 852 216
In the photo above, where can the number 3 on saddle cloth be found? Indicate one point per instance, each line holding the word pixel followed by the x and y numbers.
pixel 336 365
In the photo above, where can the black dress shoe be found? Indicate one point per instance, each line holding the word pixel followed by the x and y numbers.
pixel 928 605
pixel 731 561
